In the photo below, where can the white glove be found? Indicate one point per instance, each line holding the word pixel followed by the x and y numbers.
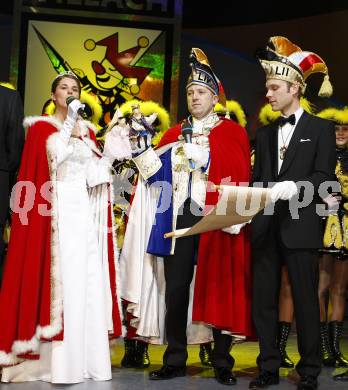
pixel 117 145
pixel 235 229
pixel 197 154
pixel 332 201
pixel 73 108
pixel 70 120
pixel 283 190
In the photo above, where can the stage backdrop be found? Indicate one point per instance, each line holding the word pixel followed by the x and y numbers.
pixel 118 53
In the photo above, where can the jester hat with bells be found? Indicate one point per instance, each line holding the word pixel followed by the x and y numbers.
pixel 202 74
pixel 283 60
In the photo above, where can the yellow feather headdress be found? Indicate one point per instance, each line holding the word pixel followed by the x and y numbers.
pixel 232 106
pixel 338 115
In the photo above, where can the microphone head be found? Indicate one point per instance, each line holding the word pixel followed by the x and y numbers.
pixel 69 99
pixel 186 130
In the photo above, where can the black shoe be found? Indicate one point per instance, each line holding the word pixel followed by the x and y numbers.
pixel 327 357
pixel 167 372
pixel 341 377
pixel 307 383
pixel 225 376
pixel 205 354
pixel 335 333
pixel 264 380
pixel 128 360
pixel 282 339
pixel 141 358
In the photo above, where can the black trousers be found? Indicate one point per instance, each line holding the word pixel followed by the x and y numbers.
pixel 178 270
pixel 303 275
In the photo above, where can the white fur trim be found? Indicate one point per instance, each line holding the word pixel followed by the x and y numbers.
pixel 56 315
pixel 8 359
pixel 31 120
pixel 56 310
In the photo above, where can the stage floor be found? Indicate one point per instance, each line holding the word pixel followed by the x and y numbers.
pixel 197 378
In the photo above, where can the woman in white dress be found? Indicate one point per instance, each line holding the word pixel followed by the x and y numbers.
pixel 64 257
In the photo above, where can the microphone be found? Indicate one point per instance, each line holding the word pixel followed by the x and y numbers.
pixel 80 111
pixel 186 132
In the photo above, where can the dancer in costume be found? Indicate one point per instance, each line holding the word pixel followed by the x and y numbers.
pixel 334 265
pixel 59 295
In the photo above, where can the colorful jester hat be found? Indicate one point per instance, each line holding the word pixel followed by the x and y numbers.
pixel 283 60
pixel 202 74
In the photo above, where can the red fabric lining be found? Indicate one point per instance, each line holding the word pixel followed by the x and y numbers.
pixel 223 285
pixel 25 293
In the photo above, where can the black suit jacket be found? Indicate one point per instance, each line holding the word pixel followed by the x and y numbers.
pixel 11 143
pixel 310 157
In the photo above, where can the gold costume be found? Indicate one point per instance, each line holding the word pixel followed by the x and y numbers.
pixel 336 227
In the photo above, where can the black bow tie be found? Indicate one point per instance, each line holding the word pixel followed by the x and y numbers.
pixel 283 120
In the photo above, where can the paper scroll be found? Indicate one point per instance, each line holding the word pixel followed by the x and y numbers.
pixel 236 205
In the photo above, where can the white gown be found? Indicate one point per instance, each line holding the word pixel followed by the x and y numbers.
pixel 84 353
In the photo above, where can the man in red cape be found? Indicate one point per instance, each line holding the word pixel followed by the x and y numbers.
pixel 219 153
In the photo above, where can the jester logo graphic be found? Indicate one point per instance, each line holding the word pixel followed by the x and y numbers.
pixel 115 69
pixel 115 78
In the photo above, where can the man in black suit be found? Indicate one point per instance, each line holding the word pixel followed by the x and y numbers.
pixel 297 153
pixel 11 145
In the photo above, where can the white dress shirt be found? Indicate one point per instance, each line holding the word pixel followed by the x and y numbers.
pixel 285 134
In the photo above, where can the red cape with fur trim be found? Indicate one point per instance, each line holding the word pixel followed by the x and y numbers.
pixel 223 285
pixel 29 309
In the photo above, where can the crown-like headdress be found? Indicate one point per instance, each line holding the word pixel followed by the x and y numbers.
pixel 286 61
pixel 202 74
pixel 67 73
